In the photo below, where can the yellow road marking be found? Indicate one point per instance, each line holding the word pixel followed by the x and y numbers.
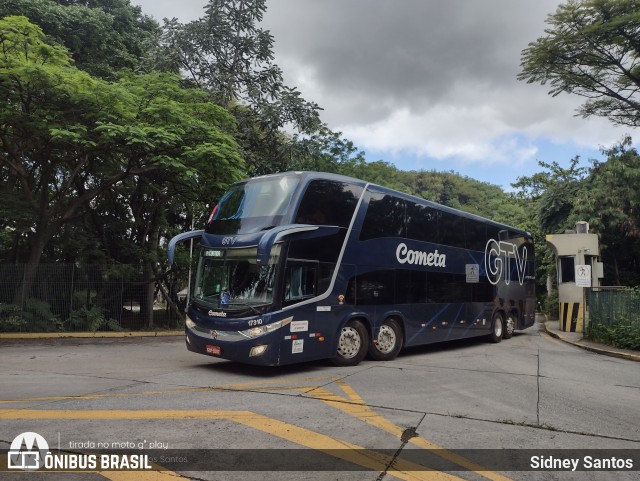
pixel 352 405
pixel 346 451
pixel 355 406
pixel 81 335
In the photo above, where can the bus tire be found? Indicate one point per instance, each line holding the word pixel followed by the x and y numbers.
pixel 352 344
pixel 497 328
pixel 509 326
pixel 389 342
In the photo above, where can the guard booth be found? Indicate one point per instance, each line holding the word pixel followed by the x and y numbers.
pixel 579 268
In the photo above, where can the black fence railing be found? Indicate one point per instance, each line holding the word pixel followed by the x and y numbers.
pixel 66 297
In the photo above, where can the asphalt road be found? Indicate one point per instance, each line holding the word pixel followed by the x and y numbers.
pixel 463 410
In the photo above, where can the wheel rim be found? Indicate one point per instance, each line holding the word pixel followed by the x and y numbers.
pixel 497 327
pixel 510 325
pixel 349 343
pixel 386 340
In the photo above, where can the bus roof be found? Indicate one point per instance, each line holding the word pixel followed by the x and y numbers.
pixel 305 176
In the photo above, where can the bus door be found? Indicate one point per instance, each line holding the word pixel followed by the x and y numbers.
pixel 299 288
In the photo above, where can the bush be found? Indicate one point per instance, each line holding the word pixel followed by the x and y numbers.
pixel 550 305
pixel 92 319
pixel 36 316
pixel 10 318
pixel 624 334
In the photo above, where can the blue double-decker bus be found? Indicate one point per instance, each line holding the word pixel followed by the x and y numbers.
pixel 301 266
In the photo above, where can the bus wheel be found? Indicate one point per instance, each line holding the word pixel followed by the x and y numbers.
pixel 389 342
pixel 352 344
pixel 496 328
pixel 509 327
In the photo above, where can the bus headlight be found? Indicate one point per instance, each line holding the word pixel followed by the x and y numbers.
pixel 258 350
pixel 189 322
pixel 258 331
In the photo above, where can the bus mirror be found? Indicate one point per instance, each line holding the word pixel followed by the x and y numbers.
pixel 171 249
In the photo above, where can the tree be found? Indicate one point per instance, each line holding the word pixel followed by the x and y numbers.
pixel 611 203
pixel 67 137
pixel 591 49
pixel 228 54
pixel 102 36
pixel 604 195
pixel 554 193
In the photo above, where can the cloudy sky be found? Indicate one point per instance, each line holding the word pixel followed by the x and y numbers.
pixel 426 84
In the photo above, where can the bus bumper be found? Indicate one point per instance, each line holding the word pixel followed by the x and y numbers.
pixel 259 351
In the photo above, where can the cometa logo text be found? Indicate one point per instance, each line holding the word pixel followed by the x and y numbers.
pixel 407 256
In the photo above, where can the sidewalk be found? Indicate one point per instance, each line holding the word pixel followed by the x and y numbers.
pixel 575 338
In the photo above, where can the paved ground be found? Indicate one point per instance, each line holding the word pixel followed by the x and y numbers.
pixel 469 403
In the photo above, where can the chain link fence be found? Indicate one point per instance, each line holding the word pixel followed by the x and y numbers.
pixel 614 316
pixel 66 297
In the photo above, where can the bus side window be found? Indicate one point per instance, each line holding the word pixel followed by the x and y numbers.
pixel 422 223
pixel 451 229
pixel 476 233
pixel 375 287
pixel 327 202
pixel 385 217
pixel 300 281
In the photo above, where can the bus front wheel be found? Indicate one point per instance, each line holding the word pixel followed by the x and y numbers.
pixel 389 342
pixel 497 328
pixel 352 344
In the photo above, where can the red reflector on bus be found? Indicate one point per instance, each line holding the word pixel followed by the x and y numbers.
pixel 215 350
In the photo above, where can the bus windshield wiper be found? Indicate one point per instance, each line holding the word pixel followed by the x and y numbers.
pixel 233 303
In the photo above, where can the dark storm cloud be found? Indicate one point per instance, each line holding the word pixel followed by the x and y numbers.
pixel 433 79
pixel 409 53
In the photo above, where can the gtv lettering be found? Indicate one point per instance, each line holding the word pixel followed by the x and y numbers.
pixel 407 256
pixel 497 256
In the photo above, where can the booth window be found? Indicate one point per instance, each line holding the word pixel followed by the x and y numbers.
pixel 567 269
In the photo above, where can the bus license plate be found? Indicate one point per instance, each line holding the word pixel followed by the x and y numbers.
pixel 215 350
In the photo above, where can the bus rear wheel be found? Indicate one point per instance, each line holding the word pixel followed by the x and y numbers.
pixel 509 327
pixel 352 344
pixel 497 328
pixel 389 342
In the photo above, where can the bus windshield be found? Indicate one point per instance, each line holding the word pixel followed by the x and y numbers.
pixel 233 279
pixel 256 199
pixel 252 206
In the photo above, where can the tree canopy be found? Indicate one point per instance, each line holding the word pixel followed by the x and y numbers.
pixel 102 36
pixel 591 49
pixel 68 137
pixel 604 195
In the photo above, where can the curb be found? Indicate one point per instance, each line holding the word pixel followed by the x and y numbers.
pixel 88 335
pixel 598 350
